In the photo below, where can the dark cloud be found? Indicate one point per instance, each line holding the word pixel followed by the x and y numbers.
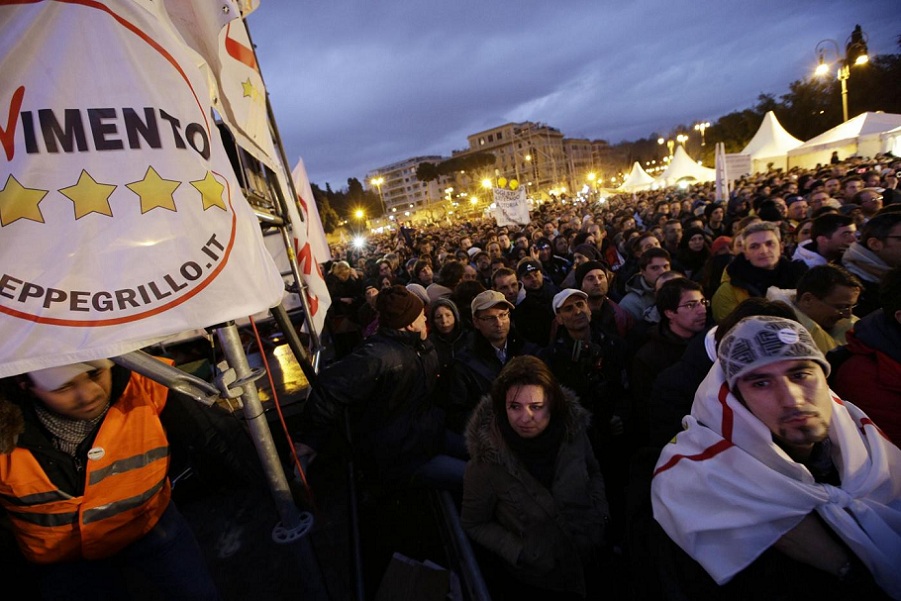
pixel 356 85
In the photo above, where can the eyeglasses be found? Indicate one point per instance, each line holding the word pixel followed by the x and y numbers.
pixel 874 199
pixel 692 305
pixel 492 318
pixel 843 310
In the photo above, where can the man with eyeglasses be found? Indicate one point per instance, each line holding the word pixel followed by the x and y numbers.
pixel 869 200
pixel 877 250
pixel 489 346
pixel 683 315
pixel 823 303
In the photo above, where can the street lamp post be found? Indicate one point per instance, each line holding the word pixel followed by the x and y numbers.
pixel 855 54
pixel 377 182
pixel 670 145
pixel 702 127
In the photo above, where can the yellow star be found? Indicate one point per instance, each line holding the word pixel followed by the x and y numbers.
pixel 155 192
pixel 249 90
pixel 210 191
pixel 18 202
pixel 89 196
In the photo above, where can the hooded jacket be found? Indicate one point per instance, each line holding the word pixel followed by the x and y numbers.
pixel 638 297
pixel 871 376
pixel 544 535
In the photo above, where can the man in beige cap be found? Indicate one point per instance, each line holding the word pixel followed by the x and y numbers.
pixel 492 343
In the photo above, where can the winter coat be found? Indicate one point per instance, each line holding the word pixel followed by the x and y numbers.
pixel 386 386
pixel 742 280
pixel 662 349
pixel 533 315
pixel 448 346
pixel 545 536
pixel 674 391
pixel 639 296
pixel 871 376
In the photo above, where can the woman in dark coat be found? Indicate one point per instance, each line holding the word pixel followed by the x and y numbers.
pixel 693 252
pixel 533 493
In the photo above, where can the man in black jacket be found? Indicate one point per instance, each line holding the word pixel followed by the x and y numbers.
pixel 490 346
pixel 386 387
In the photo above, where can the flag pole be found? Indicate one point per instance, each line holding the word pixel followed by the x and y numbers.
pixel 300 284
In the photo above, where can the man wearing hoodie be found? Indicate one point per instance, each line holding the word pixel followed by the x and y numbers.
pixel 830 236
pixel 640 287
pixel 876 252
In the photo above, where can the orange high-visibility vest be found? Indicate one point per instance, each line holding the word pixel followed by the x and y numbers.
pixel 126 488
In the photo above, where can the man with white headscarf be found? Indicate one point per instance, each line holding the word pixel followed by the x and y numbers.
pixel 772 465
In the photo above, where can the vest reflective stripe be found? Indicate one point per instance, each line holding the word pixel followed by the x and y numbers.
pixel 36 499
pixel 108 511
pixel 49 520
pixel 128 464
pixel 126 486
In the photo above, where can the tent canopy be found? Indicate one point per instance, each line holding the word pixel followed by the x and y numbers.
pixel 859 136
pixel 637 180
pixel 683 167
pixel 770 144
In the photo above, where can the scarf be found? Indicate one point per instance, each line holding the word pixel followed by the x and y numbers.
pixel 863 263
pixel 538 454
pixel 725 492
pixel 67 433
pixel 756 280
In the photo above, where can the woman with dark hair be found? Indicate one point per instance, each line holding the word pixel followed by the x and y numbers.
pixel 693 252
pixel 533 493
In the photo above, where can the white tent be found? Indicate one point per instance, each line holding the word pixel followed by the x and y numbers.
pixel 637 180
pixel 682 167
pixel 891 141
pixel 770 144
pixel 860 136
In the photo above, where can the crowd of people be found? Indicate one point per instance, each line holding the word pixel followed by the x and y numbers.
pixel 549 373
pixel 660 395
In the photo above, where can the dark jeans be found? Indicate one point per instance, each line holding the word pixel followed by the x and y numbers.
pixel 168 557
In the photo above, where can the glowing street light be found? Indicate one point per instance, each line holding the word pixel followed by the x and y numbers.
pixel 670 145
pixel 682 139
pixel 377 182
pixel 855 54
pixel 702 127
pixel 486 183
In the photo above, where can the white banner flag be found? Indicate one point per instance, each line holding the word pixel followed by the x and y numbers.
pixel 121 221
pixel 315 231
pixel 318 297
pixel 215 31
pixel 511 207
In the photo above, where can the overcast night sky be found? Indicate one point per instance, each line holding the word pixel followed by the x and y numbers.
pixel 359 84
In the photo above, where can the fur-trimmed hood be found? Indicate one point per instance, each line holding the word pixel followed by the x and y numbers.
pixel 486 444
